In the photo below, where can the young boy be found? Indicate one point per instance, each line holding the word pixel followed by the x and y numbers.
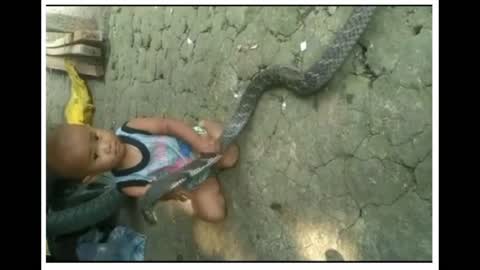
pixel 140 149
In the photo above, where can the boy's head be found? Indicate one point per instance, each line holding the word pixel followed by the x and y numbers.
pixel 78 151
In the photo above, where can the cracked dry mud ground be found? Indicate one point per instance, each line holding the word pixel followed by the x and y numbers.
pixel 345 172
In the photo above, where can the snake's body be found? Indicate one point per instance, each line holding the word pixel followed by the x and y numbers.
pixel 299 82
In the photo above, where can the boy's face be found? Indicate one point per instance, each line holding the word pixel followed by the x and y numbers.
pixel 97 150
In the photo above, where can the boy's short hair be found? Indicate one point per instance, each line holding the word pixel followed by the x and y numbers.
pixel 59 145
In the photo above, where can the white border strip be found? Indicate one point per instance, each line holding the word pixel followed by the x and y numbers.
pixel 243 3
pixel 43 139
pixel 241 266
pixel 435 134
pixel 234 266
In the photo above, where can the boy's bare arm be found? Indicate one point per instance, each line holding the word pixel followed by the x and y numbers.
pixel 135 192
pixel 178 129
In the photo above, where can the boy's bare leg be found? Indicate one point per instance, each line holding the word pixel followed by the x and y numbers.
pixel 177 198
pixel 180 199
pixel 208 202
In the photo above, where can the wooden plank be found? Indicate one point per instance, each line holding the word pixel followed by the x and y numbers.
pixel 76 49
pixel 66 23
pixel 89 37
pixel 83 65
pixel 51 36
pixel 65 39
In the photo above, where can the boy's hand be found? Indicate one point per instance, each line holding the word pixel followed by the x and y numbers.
pixel 207 145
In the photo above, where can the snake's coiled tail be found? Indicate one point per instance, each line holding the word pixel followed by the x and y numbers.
pixel 301 83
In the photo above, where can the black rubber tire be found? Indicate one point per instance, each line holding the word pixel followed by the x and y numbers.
pixel 84 215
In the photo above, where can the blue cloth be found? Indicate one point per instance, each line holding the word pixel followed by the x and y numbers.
pixel 123 244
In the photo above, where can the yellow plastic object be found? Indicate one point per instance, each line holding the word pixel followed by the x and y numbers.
pixel 79 109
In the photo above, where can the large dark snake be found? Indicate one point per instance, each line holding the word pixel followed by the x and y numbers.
pixel 274 77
